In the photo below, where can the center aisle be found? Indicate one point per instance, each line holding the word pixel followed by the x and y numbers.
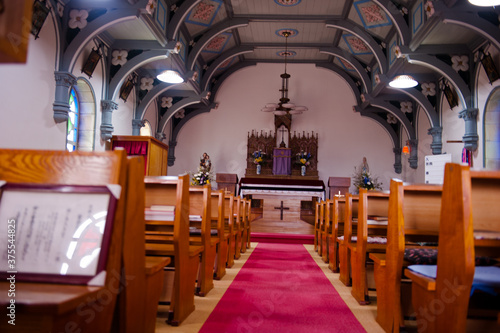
pixel 281 289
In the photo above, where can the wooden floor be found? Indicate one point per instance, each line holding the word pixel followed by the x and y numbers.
pixel 262 225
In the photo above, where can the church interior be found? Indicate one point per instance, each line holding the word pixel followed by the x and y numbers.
pixel 253 166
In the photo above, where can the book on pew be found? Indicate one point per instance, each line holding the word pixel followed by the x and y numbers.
pixel 159 213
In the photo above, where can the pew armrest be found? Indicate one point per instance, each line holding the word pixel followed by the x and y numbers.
pixel 423 281
pixel 156 264
pixel 378 258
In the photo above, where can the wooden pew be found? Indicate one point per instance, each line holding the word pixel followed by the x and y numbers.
pixel 245 243
pixel 321 223
pixel 249 226
pixel 351 211
pixel 174 191
pixel 470 205
pixel 217 210
pixel 49 307
pixel 372 205
pixel 230 234
pixel 238 228
pixel 325 230
pixel 413 217
pixel 143 275
pixel 200 205
pixel 337 215
pixel 317 234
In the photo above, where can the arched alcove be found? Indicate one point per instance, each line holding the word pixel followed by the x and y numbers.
pixel 87 115
pixel 492 130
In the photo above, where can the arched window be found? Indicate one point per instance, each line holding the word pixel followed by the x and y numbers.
pixel 73 122
pixel 146 129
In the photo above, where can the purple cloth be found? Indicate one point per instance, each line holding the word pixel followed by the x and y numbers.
pixel 282 161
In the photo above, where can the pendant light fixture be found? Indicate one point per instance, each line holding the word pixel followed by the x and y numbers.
pixel 403 81
pixel 170 75
pixel 284 106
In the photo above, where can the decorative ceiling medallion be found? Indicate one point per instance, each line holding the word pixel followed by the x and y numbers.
pixel 346 65
pixel 204 13
pixel 290 32
pixel 287 53
pixel 218 43
pixel 287 2
pixel 355 44
pixel 371 14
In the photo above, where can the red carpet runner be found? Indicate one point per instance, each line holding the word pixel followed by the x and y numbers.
pixel 281 289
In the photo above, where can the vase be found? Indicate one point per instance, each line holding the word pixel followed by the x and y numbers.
pixel 303 170
pixel 258 169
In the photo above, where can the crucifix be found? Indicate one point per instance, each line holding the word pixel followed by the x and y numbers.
pixel 281 208
pixel 282 144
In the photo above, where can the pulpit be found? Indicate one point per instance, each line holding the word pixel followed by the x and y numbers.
pixel 282 161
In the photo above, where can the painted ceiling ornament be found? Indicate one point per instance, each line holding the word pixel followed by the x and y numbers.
pixel 203 12
pixel 192 43
pixel 177 48
pixel 78 18
pixel 205 67
pixel 151 6
pixel 363 98
pixel 397 52
pixel 119 57
pixel 404 10
pixel 147 83
pixel 194 76
pixel 377 78
pixel 174 8
pixel 406 107
pixel 180 114
pixel 60 8
pixel 166 102
pixel 429 9
pixel 460 63
pixel 391 119
pixel 287 2
pixel 429 89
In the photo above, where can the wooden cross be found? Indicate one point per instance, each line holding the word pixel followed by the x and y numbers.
pixel 281 208
pixel 282 144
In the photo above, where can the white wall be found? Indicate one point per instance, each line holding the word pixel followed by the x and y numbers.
pixel 27 94
pixel 344 136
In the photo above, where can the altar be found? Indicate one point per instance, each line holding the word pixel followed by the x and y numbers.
pixel 282 198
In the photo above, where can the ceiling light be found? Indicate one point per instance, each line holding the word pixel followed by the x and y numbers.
pixel 485 3
pixel 403 81
pixel 284 107
pixel 170 76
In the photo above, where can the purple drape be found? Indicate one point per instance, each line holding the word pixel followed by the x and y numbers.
pixel 282 161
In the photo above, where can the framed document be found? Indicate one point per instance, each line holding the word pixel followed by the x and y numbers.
pixel 56 233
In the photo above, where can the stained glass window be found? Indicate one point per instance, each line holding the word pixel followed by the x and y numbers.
pixel 72 132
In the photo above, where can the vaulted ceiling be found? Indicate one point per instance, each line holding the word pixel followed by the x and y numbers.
pixel 367 42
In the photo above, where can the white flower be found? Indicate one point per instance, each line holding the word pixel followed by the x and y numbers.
pixel 147 83
pixel 60 9
pixel 150 8
pixel 460 63
pixel 429 9
pixel 391 119
pixel 429 88
pixel 166 102
pixel 179 114
pixel 406 107
pixel 78 18
pixel 119 57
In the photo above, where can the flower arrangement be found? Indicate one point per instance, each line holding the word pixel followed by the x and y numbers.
pixel 204 174
pixel 363 179
pixel 258 157
pixel 303 158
